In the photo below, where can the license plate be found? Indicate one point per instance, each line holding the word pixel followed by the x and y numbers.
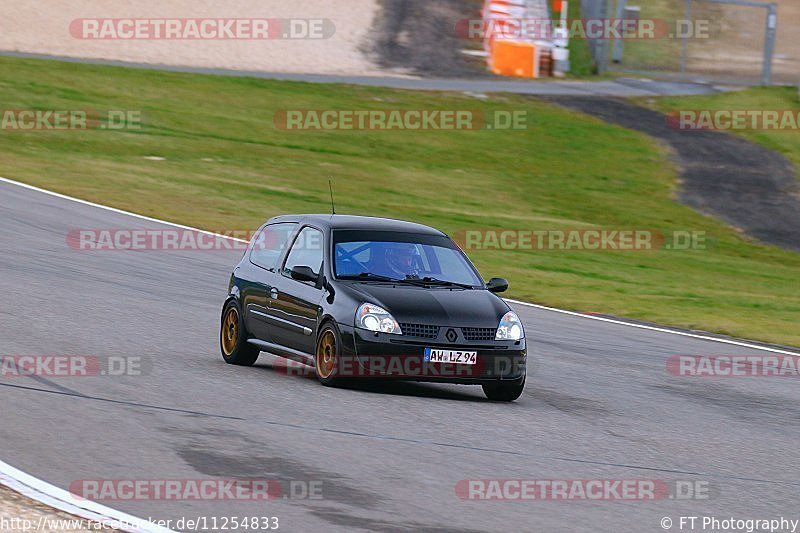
pixel 434 355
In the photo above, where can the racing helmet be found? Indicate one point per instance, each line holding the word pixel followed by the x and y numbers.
pixel 402 258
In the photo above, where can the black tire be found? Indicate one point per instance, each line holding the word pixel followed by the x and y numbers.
pixel 507 391
pixel 327 370
pixel 233 337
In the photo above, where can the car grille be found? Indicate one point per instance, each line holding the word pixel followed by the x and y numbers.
pixel 479 334
pixel 425 331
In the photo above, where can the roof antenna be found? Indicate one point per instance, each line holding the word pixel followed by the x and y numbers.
pixel 333 207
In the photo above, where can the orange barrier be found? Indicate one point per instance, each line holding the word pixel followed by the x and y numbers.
pixel 514 58
pixel 508 52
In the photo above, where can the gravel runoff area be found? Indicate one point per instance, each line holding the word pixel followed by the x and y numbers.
pixel 20 514
pixel 44 27
pixel 748 186
pixel 371 38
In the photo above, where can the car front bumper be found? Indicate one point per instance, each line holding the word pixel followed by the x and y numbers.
pixel 380 355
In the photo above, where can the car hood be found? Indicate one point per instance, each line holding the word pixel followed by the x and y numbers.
pixel 436 306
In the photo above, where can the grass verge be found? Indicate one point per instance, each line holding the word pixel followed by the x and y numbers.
pixel 220 163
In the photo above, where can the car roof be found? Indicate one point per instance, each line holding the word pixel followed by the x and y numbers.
pixel 358 223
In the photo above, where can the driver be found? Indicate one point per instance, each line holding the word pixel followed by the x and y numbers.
pixel 402 259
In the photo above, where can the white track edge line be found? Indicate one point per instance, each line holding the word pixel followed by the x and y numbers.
pixel 115 210
pixel 543 307
pixel 62 500
pixel 656 328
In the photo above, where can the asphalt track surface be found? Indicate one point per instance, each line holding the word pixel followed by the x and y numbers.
pixel 621 87
pixel 599 405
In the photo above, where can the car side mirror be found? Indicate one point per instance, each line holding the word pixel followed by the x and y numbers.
pixel 328 287
pixel 303 273
pixel 497 285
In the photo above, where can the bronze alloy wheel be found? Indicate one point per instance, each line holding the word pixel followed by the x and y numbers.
pixel 230 331
pixel 326 354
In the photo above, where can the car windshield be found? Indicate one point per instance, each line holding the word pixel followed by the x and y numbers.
pixel 407 257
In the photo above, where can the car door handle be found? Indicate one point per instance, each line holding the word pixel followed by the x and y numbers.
pixel 273 293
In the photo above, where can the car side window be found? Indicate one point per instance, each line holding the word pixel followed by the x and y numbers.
pixel 307 250
pixel 269 243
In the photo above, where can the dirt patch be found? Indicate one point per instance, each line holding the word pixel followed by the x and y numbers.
pixel 420 38
pixel 749 187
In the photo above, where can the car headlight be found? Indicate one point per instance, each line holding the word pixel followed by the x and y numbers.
pixel 374 318
pixel 510 328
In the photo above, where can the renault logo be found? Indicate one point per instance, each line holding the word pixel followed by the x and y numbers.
pixel 451 335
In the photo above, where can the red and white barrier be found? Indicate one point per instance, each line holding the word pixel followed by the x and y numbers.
pixel 512 48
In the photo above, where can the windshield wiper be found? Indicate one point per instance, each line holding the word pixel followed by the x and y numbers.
pixel 369 276
pixel 427 280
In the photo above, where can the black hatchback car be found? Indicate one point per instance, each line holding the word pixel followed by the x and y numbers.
pixel 362 297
